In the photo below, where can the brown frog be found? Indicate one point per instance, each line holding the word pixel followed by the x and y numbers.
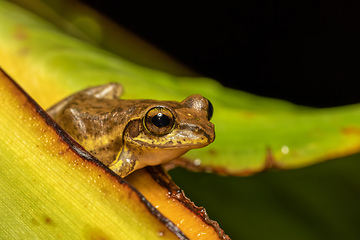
pixel 130 134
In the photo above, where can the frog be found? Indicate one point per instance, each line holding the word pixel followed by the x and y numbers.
pixel 129 134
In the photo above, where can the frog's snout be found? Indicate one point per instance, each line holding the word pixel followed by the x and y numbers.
pixel 198 134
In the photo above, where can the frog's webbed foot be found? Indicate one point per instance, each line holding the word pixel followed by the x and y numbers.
pixel 106 91
pixel 125 163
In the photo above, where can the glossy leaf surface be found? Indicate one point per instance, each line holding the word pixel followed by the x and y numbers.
pixel 253 133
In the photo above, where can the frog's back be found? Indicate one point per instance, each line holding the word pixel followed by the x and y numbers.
pixel 95 123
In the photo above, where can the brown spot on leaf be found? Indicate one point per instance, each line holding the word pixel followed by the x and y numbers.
pixel 20 33
pixel 48 220
pixel 248 115
pixel 351 130
pixel 212 152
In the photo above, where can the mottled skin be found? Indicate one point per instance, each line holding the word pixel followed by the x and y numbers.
pixel 121 133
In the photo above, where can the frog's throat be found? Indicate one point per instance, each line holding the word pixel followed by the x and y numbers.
pixel 125 163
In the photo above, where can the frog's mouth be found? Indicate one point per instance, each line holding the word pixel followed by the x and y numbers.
pixel 174 143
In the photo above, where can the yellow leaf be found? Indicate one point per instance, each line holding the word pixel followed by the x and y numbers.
pixel 51 188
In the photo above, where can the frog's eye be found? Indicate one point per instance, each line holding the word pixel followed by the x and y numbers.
pixel 159 121
pixel 210 110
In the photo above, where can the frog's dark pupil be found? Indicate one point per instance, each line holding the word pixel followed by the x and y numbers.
pixel 210 110
pixel 161 120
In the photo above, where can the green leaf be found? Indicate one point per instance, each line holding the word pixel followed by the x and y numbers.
pixel 84 23
pixel 253 133
pixel 312 203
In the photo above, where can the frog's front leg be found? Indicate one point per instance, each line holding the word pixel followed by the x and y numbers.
pixel 126 162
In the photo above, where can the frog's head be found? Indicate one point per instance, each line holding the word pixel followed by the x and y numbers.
pixel 166 130
pixel 173 125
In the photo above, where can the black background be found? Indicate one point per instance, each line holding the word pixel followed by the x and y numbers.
pixel 303 51
pixel 306 52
